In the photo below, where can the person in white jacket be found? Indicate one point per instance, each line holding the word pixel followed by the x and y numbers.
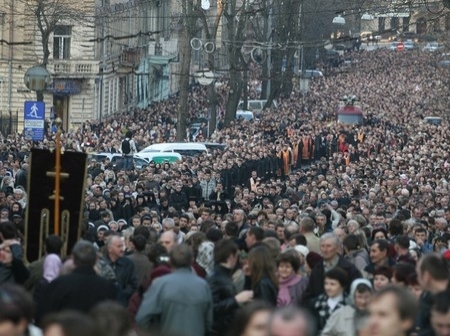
pixel 342 321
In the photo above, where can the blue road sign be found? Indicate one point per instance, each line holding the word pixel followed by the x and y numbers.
pixel 34 118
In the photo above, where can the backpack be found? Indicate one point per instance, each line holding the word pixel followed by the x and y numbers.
pixel 126 147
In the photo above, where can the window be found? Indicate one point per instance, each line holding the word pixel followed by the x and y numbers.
pixel 61 42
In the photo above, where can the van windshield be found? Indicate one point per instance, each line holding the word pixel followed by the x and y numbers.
pixel 150 150
pixel 350 119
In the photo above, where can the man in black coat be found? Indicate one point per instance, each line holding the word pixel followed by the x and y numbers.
pixel 123 268
pixel 178 198
pixel 225 300
pixel 329 247
pixel 80 290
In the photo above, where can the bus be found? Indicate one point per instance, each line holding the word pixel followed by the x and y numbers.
pixel 349 112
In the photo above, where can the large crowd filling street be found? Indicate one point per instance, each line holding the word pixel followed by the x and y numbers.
pixel 295 226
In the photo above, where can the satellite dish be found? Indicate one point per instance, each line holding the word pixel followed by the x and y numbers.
pixel 205 4
pixel 339 20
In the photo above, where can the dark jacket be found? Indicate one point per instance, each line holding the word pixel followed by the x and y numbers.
pixel 178 200
pixel 266 290
pixel 422 325
pixel 224 303
pixel 142 265
pixel 316 280
pixel 80 290
pixel 16 272
pixel 125 276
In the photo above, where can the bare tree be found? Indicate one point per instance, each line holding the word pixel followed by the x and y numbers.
pixel 211 35
pixel 236 25
pixel 285 36
pixel 190 11
pixel 49 14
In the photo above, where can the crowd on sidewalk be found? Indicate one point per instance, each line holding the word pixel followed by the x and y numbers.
pixel 300 226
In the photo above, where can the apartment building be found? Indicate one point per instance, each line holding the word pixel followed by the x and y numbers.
pixel 104 56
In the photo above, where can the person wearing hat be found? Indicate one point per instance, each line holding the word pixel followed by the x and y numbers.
pixel 342 321
pixel 100 241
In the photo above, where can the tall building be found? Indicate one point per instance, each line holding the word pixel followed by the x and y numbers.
pixel 104 56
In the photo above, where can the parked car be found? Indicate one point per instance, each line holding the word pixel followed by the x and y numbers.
pixel 432 46
pixel 393 45
pixel 116 160
pixel 256 105
pixel 242 114
pixel 312 73
pixel 444 60
pixel 433 120
pixel 408 36
pixel 410 45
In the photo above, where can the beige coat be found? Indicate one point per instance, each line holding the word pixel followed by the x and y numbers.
pixel 312 242
pixel 340 323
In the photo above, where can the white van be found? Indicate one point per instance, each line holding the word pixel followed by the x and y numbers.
pixel 256 105
pixel 183 148
pixel 158 157
pixel 312 73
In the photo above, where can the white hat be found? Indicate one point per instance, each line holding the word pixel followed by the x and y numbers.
pixel 302 249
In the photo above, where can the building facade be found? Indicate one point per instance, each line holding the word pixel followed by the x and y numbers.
pixel 104 56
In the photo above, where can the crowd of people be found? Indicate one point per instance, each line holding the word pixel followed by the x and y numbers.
pixel 300 226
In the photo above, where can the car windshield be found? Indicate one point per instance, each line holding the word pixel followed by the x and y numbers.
pixel 350 119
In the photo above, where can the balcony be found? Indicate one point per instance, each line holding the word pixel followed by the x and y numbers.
pixel 131 57
pixel 73 68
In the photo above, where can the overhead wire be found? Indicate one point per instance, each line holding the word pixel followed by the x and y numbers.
pixel 256 44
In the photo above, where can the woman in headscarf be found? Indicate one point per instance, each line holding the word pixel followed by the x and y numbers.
pixel 342 321
pixel 52 269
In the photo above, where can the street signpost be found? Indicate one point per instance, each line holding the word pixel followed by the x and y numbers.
pixel 34 118
pixel 400 46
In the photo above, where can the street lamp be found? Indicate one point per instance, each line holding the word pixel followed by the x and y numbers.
pixel 367 17
pixel 339 20
pixel 36 79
